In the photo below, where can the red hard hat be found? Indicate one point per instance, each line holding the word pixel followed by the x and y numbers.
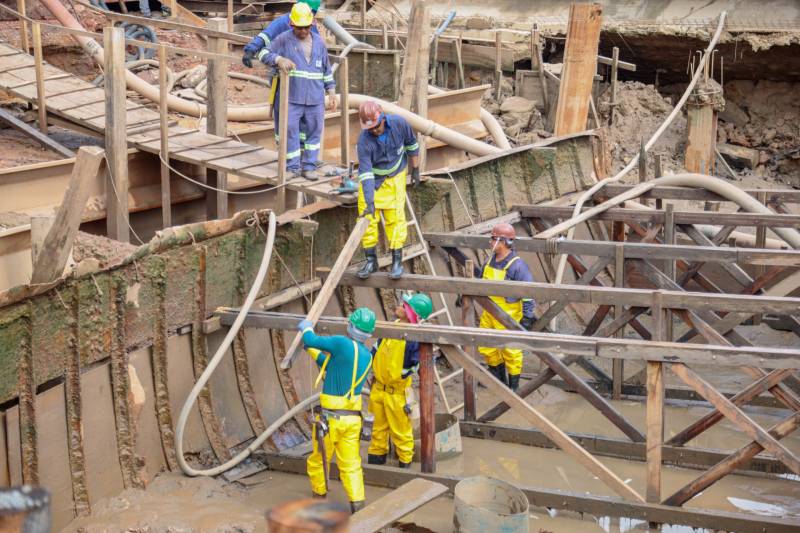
pixel 505 230
pixel 369 113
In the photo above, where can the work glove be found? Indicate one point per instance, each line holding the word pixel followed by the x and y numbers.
pixel 369 210
pixel 247 58
pixel 458 301
pixel 526 322
pixel 286 65
pixel 415 176
pixel 304 324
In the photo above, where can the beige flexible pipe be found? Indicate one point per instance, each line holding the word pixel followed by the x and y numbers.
pixel 250 114
pixel 489 122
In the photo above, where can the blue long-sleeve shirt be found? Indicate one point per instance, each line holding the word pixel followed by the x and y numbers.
pixel 384 156
pixel 339 372
pixel 259 45
pixel 518 271
pixel 310 79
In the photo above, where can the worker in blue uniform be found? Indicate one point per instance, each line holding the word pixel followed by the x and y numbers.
pixel 386 146
pixel 258 47
pixel 506 363
pixel 304 57
pixel 344 363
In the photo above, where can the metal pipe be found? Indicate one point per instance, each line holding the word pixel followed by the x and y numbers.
pixel 342 34
pixel 445 23
pixel 489 122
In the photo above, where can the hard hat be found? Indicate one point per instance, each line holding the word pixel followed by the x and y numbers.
pixel 420 303
pixel 313 4
pixel 301 15
pixel 369 113
pixel 363 319
pixel 505 230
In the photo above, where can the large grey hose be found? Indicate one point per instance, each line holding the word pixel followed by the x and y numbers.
pixel 488 120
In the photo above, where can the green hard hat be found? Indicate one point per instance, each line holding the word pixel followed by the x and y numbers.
pixel 313 4
pixel 421 304
pixel 363 319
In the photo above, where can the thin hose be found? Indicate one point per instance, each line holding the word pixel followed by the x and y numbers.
pixel 570 224
pixel 212 365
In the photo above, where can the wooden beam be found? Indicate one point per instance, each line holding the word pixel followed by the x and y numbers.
pixel 632 349
pixel 701 127
pixel 166 191
pixel 35 134
pixel 791 196
pixel 23 26
pixel 468 320
pixel 427 401
pixel 395 505
pixel 415 59
pixel 580 66
pixel 217 122
pixel 38 58
pixel 654 413
pixel 344 104
pixel 116 137
pixel 329 287
pixel 57 246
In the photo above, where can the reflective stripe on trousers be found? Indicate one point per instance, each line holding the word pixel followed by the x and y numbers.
pixel 494 356
pixel 390 203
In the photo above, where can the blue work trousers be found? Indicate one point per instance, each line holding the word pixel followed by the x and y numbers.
pixel 304 132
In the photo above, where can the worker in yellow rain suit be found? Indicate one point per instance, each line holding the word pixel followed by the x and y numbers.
pixel 394 362
pixel 344 362
pixel 506 363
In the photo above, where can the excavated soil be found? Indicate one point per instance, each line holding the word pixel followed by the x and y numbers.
pixel 96 247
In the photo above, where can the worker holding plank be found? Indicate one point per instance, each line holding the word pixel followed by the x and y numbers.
pixel 394 362
pixel 344 363
pixel 504 264
pixel 385 147
pixel 304 57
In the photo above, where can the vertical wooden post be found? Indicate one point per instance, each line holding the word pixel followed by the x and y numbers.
pixel 580 66
pixel 614 71
pixel 468 320
pixel 344 101
pixel 23 27
pixel 498 64
pixel 618 365
pixel 761 241
pixel 427 399
pixel 459 62
pixel 230 16
pixel 536 50
pixel 385 35
pixel 642 162
pixel 40 227
pixel 669 267
pixel 434 60
pixel 655 407
pixel 658 165
pixel 38 60
pixel 363 14
pixel 414 78
pixel 166 193
pixel 283 130
pixel 116 142
pixel 701 128
pixel 217 122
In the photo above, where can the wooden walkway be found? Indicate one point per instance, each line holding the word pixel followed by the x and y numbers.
pixel 82 103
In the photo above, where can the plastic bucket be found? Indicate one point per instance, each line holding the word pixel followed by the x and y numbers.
pixel 486 504
pixel 447 442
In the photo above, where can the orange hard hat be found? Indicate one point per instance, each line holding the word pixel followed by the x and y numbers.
pixel 505 230
pixel 369 113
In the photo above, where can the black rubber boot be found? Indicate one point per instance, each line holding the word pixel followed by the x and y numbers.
pixel 376 459
pixel 499 372
pixel 371 265
pixel 513 382
pixel 357 506
pixel 397 264
pixel 403 465
pixel 318 496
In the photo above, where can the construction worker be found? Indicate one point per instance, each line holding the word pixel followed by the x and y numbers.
pixel 304 56
pixel 506 363
pixel 394 362
pixel 258 47
pixel 385 144
pixel 344 363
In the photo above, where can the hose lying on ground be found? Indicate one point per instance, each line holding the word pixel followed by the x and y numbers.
pixel 212 365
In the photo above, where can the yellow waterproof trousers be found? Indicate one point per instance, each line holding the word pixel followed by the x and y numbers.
pixel 387 404
pixel 344 434
pixel 390 203
pixel 495 356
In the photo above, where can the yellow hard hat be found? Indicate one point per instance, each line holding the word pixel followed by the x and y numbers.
pixel 301 15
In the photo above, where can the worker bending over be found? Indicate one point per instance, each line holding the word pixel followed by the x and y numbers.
pixel 384 147
pixel 505 264
pixel 344 363
pixel 394 363
pixel 304 56
pixel 258 47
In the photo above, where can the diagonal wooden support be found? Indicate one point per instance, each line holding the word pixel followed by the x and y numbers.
pixel 328 288
pixel 395 505
pixel 737 416
pixel 731 463
pixel 540 422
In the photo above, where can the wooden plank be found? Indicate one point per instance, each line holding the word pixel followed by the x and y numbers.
pixel 283 132
pixel 41 102
pixel 35 134
pixel 580 66
pixel 115 136
pixel 427 403
pixel 395 505
pixel 655 410
pixel 217 123
pixel 416 56
pixel 329 287
pixel 57 246
pixel 344 103
pixel 163 114
pixel 468 320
